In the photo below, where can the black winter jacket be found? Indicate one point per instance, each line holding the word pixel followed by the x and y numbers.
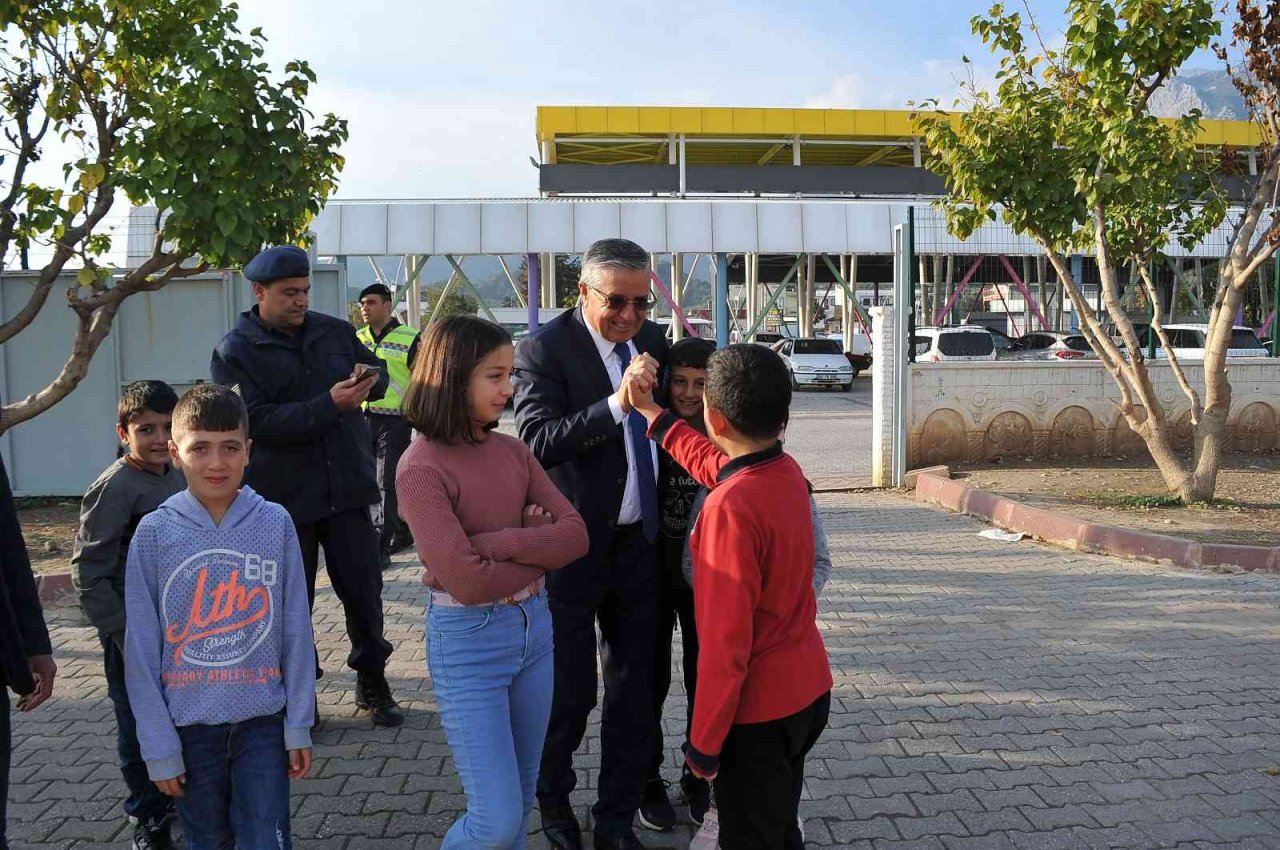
pixel 22 630
pixel 307 455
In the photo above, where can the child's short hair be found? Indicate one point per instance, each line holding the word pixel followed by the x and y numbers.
pixel 437 403
pixel 210 407
pixel 751 387
pixel 690 353
pixel 140 396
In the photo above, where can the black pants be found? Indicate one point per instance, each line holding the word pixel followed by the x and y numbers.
pixel 761 777
pixel 391 436
pixel 616 589
pixel 5 742
pixel 145 800
pixel 351 559
pixel 675 605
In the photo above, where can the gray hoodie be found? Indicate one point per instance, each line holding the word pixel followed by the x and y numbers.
pixel 109 513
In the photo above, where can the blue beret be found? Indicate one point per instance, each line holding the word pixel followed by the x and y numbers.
pixel 279 262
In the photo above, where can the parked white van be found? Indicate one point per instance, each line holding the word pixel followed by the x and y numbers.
pixel 955 343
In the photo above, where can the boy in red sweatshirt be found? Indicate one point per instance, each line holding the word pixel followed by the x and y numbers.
pixel 764 681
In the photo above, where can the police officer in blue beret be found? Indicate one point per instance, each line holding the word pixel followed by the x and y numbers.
pixel 303 376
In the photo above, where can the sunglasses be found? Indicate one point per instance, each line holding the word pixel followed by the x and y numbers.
pixel 617 302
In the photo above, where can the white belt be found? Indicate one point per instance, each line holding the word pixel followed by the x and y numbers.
pixel 442 598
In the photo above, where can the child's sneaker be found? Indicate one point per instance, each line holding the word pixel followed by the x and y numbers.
pixel 697 793
pixel 153 835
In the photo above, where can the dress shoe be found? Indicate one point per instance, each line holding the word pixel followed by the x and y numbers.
pixel 622 841
pixel 561 828
pixel 373 695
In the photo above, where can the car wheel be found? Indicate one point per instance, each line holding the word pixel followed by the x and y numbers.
pixel 848 387
pixel 795 385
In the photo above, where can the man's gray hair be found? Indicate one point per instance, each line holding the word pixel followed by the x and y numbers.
pixel 612 254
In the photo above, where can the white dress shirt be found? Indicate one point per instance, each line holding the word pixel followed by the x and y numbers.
pixel 630 512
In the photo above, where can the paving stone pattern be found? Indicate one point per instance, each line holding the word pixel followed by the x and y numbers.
pixel 988 695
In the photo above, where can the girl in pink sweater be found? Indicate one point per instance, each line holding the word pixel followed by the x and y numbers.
pixel 489 524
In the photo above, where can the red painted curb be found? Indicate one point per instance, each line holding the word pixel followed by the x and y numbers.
pixel 53 586
pixel 1074 533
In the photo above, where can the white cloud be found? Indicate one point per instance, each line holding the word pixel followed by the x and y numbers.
pixel 846 92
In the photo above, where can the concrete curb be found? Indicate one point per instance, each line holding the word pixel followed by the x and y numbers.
pixel 1076 534
pixel 52 587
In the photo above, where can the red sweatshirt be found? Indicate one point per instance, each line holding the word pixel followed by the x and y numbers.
pixel 760 654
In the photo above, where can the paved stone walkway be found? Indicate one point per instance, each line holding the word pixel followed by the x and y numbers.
pixel 988 695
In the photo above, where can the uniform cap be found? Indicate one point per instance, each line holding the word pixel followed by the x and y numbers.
pixel 278 262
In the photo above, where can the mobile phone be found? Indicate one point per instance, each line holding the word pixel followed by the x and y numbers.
pixel 370 373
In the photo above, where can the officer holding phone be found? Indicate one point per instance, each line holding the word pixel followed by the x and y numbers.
pixel 304 376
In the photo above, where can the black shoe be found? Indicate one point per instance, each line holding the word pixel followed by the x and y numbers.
pixel 384 557
pixel 561 828
pixel 655 809
pixel 697 793
pixel 373 695
pixel 400 542
pixel 153 835
pixel 622 841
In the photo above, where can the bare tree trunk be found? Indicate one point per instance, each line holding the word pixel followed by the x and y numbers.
pixel 924 290
pixel 937 287
pixel 951 283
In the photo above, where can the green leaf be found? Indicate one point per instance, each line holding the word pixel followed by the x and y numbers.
pixel 86 276
pixel 227 219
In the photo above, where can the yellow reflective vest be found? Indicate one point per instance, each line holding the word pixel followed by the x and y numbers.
pixel 392 349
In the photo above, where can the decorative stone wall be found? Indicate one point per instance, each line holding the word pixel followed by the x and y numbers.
pixel 980 411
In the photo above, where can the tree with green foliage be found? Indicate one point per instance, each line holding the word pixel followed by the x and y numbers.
pixel 162 102
pixel 456 303
pixel 1066 151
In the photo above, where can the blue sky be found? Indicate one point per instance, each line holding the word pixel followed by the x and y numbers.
pixel 441 97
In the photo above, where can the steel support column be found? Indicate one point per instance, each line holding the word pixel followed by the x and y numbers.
pixel 677 292
pixel 534 286
pixel 721 303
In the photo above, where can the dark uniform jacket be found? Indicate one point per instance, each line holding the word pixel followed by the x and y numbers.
pixel 307 455
pixel 562 413
pixel 22 630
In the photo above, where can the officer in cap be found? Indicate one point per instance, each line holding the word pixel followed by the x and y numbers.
pixel 395 345
pixel 303 376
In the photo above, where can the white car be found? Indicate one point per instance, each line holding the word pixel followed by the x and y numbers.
pixel 1188 342
pixel 955 343
pixel 816 363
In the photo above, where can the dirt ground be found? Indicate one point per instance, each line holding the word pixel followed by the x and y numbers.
pixel 1103 490
pixel 49 526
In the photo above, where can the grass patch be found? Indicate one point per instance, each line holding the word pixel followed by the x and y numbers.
pixel 1148 501
pixel 26 503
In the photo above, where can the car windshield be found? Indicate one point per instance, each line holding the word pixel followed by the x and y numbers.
pixel 1076 343
pixel 1242 338
pixel 818 346
pixel 965 344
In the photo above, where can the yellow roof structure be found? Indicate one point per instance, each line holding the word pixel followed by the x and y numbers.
pixel 610 135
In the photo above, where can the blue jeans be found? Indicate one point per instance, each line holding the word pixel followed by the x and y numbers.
pixel 491 670
pixel 237 792
pixel 145 801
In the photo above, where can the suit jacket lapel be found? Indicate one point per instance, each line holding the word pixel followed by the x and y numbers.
pixel 590 355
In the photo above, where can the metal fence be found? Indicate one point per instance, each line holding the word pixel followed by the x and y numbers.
pixel 166 335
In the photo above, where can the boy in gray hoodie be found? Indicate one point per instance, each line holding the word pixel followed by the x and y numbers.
pixel 219 657
pixel 129 489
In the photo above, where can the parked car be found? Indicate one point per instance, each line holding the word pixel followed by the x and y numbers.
pixel 1003 342
pixel 1188 342
pixel 768 338
pixel 1050 345
pixel 816 363
pixel 954 343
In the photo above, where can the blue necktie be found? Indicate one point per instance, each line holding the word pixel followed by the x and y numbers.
pixel 636 433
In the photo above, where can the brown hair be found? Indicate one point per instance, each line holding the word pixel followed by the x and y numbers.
pixel 210 407
pixel 436 403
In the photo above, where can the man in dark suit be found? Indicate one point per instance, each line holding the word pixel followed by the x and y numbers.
pixel 573 408
pixel 26 662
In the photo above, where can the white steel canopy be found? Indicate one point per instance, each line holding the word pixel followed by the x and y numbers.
pixel 569 226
